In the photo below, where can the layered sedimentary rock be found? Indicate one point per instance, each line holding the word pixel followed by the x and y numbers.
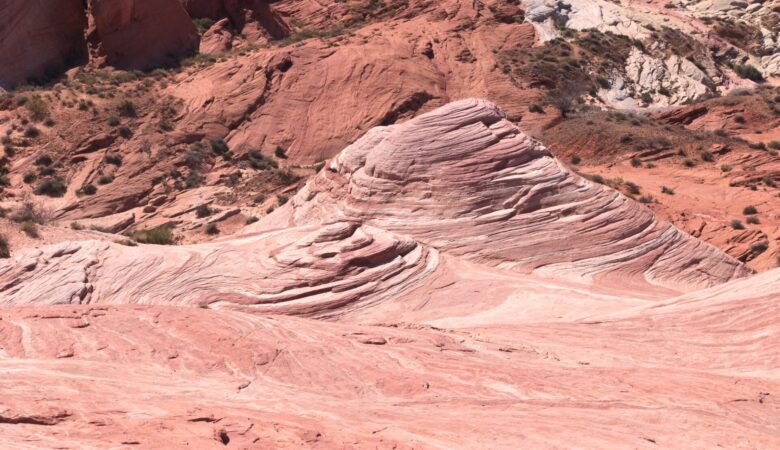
pixel 253 19
pixel 37 37
pixel 460 180
pixel 464 180
pixel 459 287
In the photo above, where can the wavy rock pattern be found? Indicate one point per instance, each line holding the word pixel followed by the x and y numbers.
pixel 464 180
pixel 476 292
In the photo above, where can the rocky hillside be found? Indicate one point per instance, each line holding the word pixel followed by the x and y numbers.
pixel 441 283
pixel 192 118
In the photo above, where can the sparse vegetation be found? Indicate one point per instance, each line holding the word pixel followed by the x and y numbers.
pixel 749 210
pixel 280 153
pixel 212 229
pixel 753 220
pixel 667 190
pixel 38 108
pixel 737 224
pixel 126 108
pixel 749 72
pixel 203 211
pixel 52 187
pixel 30 229
pixel 636 162
pixel 725 168
pixel 114 159
pixel 575 160
pixel 155 236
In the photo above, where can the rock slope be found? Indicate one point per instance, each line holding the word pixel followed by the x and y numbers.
pixel 455 287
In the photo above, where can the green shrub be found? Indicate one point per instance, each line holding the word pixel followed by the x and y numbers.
pixel 203 211
pixel 44 160
pixel 280 152
pixel 748 210
pixel 633 188
pixel 219 146
pixel 707 156
pixel 114 159
pixel 667 190
pixel 689 163
pixel 113 121
pixel 575 159
pixel 737 225
pixel 126 108
pixel 749 72
pixel 105 179
pixel 536 109
pixel 29 177
pixel 89 189
pixel 32 132
pixel 52 187
pixel 753 220
pixel 212 229
pixel 725 168
pixel 636 162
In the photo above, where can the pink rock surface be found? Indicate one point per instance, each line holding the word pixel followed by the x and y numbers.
pixel 455 287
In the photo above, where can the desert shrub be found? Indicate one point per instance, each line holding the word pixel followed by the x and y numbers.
pixel 280 152
pixel 636 162
pixel 212 229
pixel 46 171
pixel 667 190
pixel 29 177
pixel 30 229
pixel 203 24
pixel 737 224
pixel 203 211
pixel 38 108
pixel 156 236
pixel 113 121
pixel 114 159
pixel 749 72
pixel 52 187
pixel 29 212
pixel 689 163
pixel 32 132
pixel 536 109
pixel 647 98
pixel 44 160
pixel 76 226
pixel 9 150
pixel 575 159
pixel 105 179
pixel 633 188
pixel 707 156
pixel 193 180
pixel 251 219
pixel 759 247
pixel 126 108
pixel 775 145
pixel 258 161
pixel 5 249
pixel 219 146
pixel 646 199
pixel 739 118
pixel 725 168
pixel 125 132
pixel 753 220
pixel 720 132
pixel 282 199
pixel 88 189
pixel 748 210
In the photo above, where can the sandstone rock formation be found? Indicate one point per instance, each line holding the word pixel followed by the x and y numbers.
pixel 139 34
pixel 39 37
pixel 458 287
